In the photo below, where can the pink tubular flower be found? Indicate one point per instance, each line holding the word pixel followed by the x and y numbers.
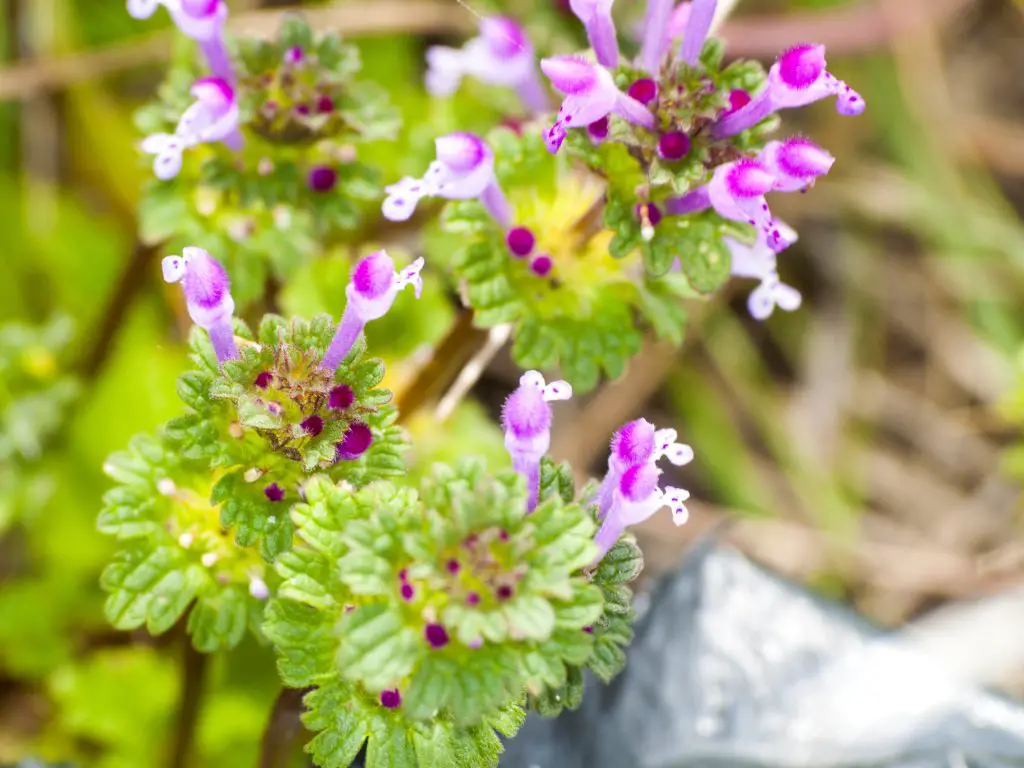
pixel 736 191
pixel 526 419
pixel 759 262
pixel 795 163
pixel 798 78
pixel 202 20
pixel 212 117
pixel 698 25
pixel 590 94
pixel 657 33
pixel 639 442
pixel 370 293
pixel 502 55
pixel 636 497
pixel 596 16
pixel 463 170
pixel 207 296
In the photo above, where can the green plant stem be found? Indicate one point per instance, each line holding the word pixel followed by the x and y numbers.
pixel 283 728
pixel 193 685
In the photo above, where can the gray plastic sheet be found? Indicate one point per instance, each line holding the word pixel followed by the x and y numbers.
pixel 734 667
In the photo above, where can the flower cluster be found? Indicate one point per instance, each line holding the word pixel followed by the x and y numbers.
pixel 630 493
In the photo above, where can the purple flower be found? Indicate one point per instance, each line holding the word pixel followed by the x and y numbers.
pixel 356 442
pixel 798 78
pixel 639 442
pixel 207 296
pixel 502 55
pixel 698 25
pixel 635 497
pixel 212 118
pixel 795 163
pixel 463 170
pixel 370 292
pixel 759 262
pixel 526 419
pixel 202 20
pixel 596 16
pixel 657 32
pixel 590 94
pixel 736 191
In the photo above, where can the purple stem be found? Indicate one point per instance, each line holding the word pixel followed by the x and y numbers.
pixel 691 202
pixel 702 12
pixel 601 31
pixel 222 336
pixel 533 93
pixel 217 57
pixel 495 202
pixel 349 328
pixel 528 465
pixel 611 531
pixel 656 40
pixel 747 116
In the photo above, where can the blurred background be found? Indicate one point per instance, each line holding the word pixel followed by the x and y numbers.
pixel 868 446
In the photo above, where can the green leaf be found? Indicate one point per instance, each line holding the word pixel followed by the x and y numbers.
pixel 377 647
pixel 304 642
pixel 150 584
pixel 219 621
pixel 621 565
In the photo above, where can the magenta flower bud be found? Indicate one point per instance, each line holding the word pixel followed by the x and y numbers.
pixel 673 146
pixel 212 117
pixel 207 296
pixel 501 55
pixel 759 262
pixel 263 379
pixel 436 635
pixel 698 25
pixel 596 16
pixel 371 292
pixel 294 55
pixel 643 90
pixel 355 443
pixel 453 566
pixel 526 419
pixel 201 20
pixel 657 33
pixel 795 163
pixel 391 699
pixel 324 105
pixel 503 592
pixel 598 130
pixel 407 591
pixel 520 241
pixel 647 213
pixel 274 492
pixel 463 170
pixel 542 264
pixel 313 425
pixel 322 178
pixel 472 599
pixel 341 397
pixel 590 94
